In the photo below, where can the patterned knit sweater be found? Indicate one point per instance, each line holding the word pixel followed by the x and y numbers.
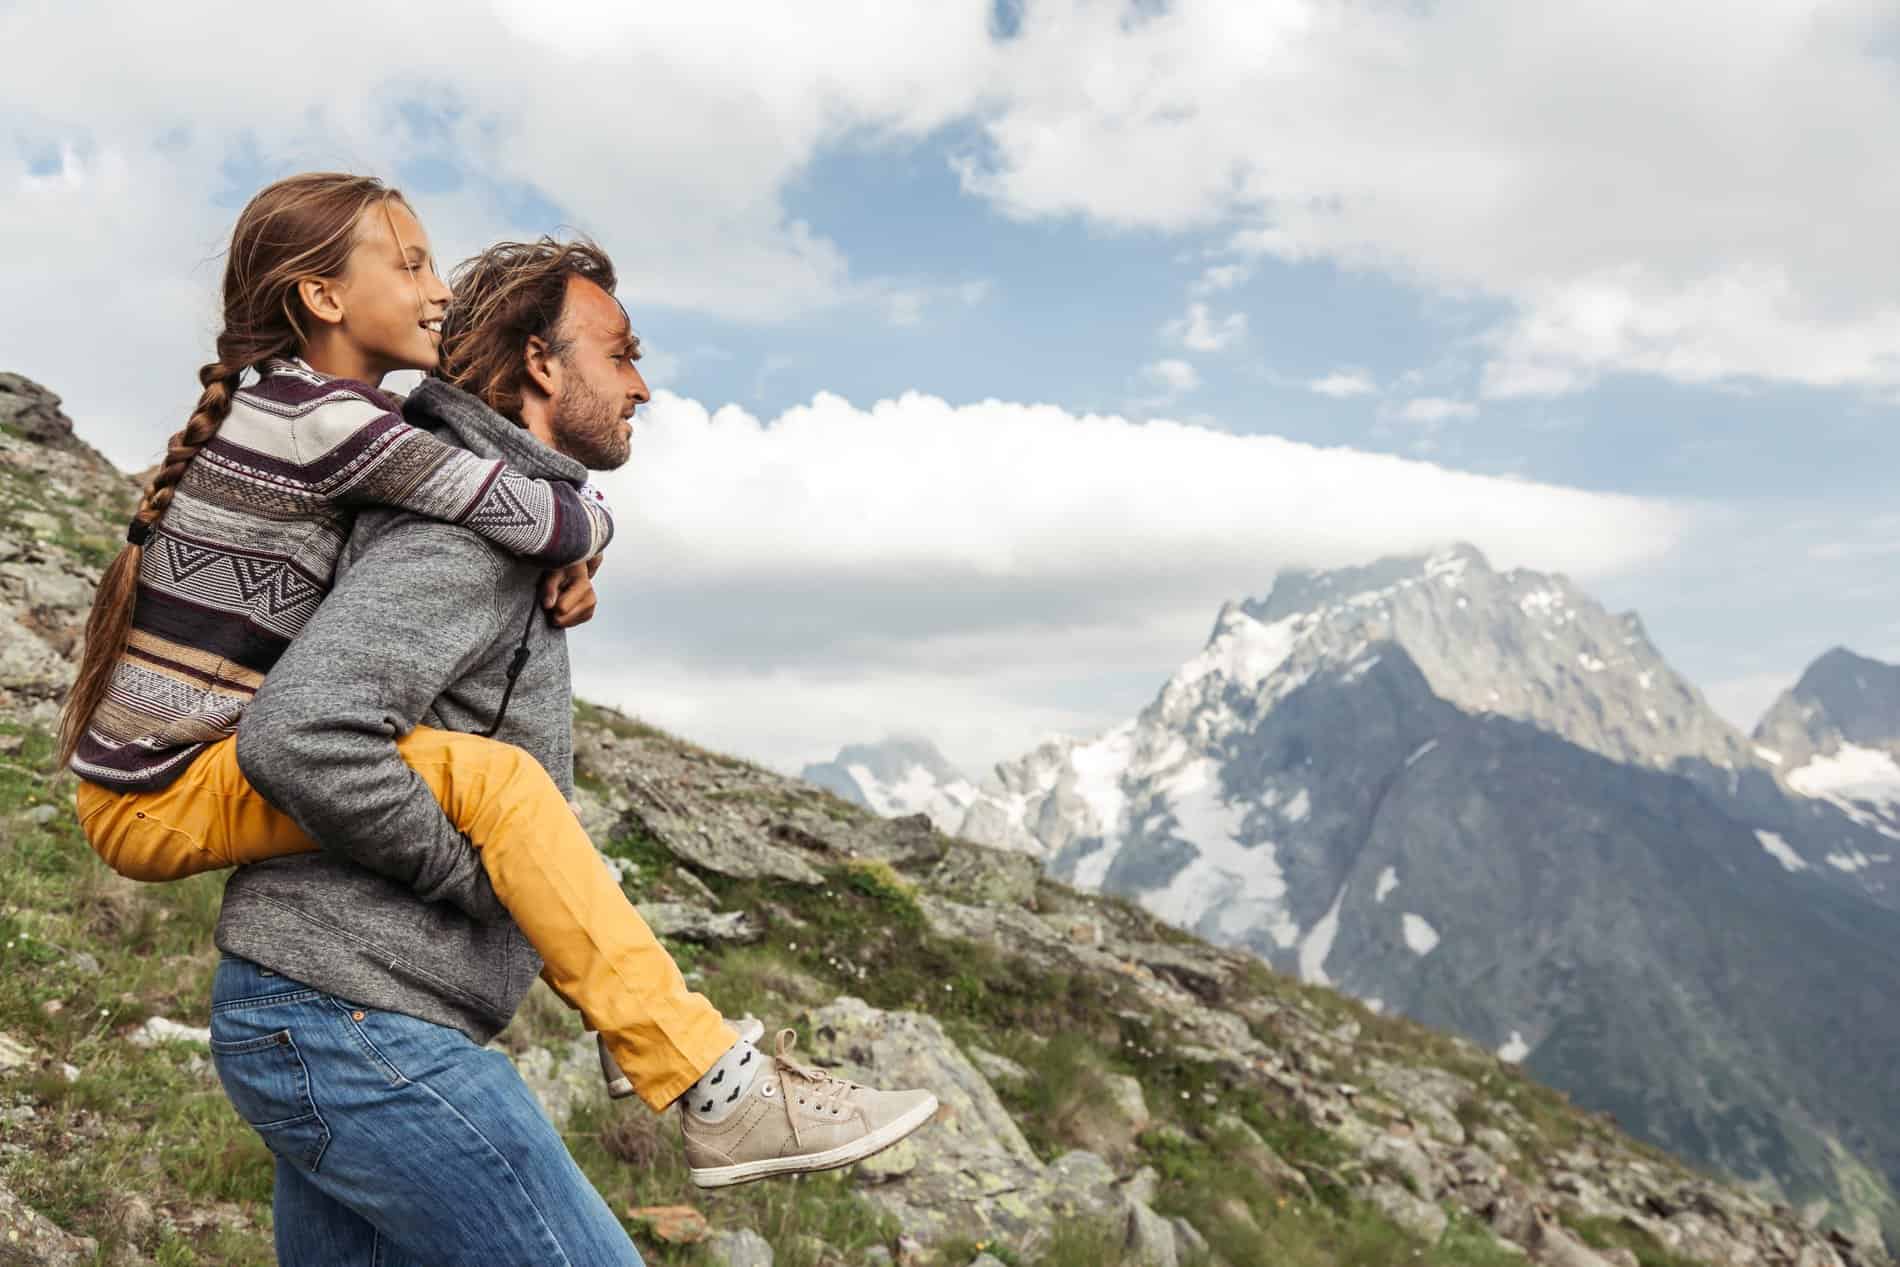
pixel 248 548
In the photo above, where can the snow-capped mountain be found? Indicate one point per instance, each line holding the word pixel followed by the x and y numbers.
pixel 1519 645
pixel 896 777
pixel 1836 736
pixel 1480 799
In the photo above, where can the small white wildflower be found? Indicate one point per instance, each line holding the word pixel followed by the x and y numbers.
pixel 791 945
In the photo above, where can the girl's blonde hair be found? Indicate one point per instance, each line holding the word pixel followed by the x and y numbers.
pixel 299 227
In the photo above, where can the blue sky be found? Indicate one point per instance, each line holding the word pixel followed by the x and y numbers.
pixel 1614 313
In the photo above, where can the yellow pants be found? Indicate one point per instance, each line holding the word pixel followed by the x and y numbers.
pixel 601 957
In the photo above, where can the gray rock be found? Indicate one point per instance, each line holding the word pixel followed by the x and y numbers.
pixel 1495 1142
pixel 1189 1245
pixel 976 873
pixel 158 1029
pixel 977 1177
pixel 1150 1239
pixel 1403 1154
pixel 562 1076
pixel 893 1163
pixel 27 1239
pixel 996 1068
pixel 683 922
pixel 14 1054
pixel 1420 1217
pixel 738 1247
pixel 1552 1246
pixel 1141 1186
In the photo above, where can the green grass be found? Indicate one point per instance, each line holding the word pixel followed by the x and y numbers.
pixel 142 1122
pixel 1602 1233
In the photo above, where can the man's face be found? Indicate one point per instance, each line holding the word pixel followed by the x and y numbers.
pixel 599 385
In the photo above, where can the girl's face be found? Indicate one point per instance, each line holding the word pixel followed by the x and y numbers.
pixel 391 299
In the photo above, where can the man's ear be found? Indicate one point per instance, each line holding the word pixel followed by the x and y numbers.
pixel 543 366
pixel 322 299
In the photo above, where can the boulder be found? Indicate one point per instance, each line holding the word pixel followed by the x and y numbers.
pixel 1415 1214
pixel 1430 1096
pixel 985 876
pixel 738 1247
pixel 14 1054
pixel 1150 1239
pixel 1552 1246
pixel 29 1239
pixel 158 1029
pixel 562 1075
pixel 974 1175
pixel 1402 1154
pixel 682 921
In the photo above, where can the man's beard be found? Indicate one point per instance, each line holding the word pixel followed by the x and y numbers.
pixel 588 428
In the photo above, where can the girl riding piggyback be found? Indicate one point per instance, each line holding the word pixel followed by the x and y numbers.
pixel 328 287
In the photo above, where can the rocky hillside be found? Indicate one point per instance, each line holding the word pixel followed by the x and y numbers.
pixel 1115 1091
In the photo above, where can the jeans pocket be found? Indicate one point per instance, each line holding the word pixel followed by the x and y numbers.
pixel 269 1085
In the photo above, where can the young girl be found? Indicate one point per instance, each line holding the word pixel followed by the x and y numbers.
pixel 329 286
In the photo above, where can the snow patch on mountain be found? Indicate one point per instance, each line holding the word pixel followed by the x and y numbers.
pixel 1778 849
pixel 1420 937
pixel 1318 943
pixel 1388 880
pixel 1851 773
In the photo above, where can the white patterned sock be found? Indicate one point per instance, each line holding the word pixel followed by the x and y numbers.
pixel 719 1089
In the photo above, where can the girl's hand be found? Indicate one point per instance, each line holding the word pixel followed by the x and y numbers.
pixel 568 593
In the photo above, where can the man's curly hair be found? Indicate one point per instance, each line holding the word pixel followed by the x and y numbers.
pixel 510 293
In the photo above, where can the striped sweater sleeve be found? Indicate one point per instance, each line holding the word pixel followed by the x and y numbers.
pixel 387 462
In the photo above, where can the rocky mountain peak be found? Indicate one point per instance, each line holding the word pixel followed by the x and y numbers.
pixel 1520 644
pixel 1835 736
pixel 1841 698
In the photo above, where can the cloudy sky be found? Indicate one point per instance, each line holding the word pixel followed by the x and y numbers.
pixel 998 341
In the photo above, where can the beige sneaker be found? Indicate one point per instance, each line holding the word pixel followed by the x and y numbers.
pixel 796 1119
pixel 619 1086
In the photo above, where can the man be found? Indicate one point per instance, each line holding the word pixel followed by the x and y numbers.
pixel 348 1014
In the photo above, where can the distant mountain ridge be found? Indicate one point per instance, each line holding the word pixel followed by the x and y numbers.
pixel 895 777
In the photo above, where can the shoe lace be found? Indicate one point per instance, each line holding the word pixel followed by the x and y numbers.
pixel 824 1093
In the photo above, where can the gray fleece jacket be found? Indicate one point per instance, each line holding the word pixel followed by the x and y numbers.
pixel 395 911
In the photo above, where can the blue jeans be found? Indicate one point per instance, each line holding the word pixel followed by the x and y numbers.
pixel 399 1143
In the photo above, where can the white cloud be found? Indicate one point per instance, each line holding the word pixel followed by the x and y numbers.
pixel 1641 185
pixel 1172 375
pixel 1203 332
pixel 788 585
pixel 1342 384
pixel 1218 277
pixel 909 305
pixel 1436 409
pixel 669 133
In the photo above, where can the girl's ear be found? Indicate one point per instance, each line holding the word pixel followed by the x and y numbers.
pixel 322 299
pixel 542 365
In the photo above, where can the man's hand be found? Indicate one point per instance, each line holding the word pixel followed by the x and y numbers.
pixel 568 593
